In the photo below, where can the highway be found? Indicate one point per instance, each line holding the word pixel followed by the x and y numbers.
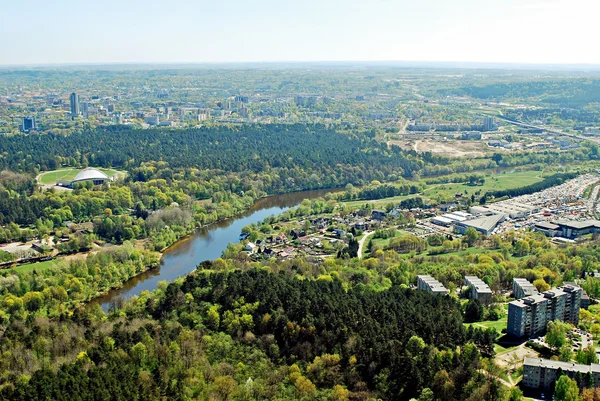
pixel 552 131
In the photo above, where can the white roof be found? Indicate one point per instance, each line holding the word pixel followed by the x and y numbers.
pixel 454 217
pixel 90 174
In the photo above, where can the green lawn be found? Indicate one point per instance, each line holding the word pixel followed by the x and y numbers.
pixel 34 266
pixel 492 324
pixel 382 243
pixel 68 174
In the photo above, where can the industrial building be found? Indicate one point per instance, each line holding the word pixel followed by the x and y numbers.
pixel 567 228
pixel 528 317
pixel 478 289
pixel 442 221
pixel 523 288
pixel 513 209
pixel 429 284
pixel 484 224
pixel 543 373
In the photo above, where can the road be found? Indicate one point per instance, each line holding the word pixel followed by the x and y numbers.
pixel 361 243
pixel 550 130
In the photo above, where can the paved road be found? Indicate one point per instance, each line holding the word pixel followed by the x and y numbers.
pixel 361 243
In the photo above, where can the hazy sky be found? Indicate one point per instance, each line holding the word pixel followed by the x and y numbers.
pixel 98 31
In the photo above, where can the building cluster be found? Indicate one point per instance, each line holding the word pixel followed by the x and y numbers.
pixel 461 221
pixel 543 373
pixel 488 124
pixel 558 211
pixel 529 316
pixel 476 287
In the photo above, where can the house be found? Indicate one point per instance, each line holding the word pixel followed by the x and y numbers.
pixel 339 233
pixel 378 214
pixel 269 252
pixel 250 247
pixel 297 233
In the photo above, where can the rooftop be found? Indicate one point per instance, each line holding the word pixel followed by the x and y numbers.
pixel 578 224
pixel 486 223
pixel 90 174
pixel 569 366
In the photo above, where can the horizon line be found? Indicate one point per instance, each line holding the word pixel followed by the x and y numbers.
pixel 420 63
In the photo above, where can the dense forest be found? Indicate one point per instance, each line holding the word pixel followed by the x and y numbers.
pixel 252 148
pixel 564 93
pixel 208 336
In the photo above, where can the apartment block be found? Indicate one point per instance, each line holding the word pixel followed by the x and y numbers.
pixel 523 288
pixel 478 289
pixel 528 317
pixel 543 373
pixel 429 284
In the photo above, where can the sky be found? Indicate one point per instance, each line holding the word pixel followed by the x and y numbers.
pixel 199 31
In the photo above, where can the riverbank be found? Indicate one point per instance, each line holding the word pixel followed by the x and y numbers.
pixel 206 243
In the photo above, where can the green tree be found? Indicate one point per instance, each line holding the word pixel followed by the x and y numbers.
pixel 556 334
pixel 473 311
pixel 566 389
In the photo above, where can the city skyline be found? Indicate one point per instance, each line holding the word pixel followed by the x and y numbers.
pixel 182 31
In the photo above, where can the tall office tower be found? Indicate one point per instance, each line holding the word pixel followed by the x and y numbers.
pixel 74 99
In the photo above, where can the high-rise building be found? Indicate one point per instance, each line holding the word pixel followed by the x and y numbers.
pixel 28 124
pixel 528 317
pixel 488 124
pixel 84 109
pixel 74 99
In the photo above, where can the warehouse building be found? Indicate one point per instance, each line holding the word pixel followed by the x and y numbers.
pixel 454 217
pixel 567 229
pixel 523 288
pixel 429 284
pixel 512 209
pixel 485 224
pixel 543 373
pixel 528 317
pixel 478 289
pixel 442 221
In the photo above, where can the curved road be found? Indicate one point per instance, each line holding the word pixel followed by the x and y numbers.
pixel 361 243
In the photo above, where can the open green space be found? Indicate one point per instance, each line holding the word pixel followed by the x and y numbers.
pixel 382 243
pixel 67 174
pixel 492 324
pixel 493 182
pixel 34 266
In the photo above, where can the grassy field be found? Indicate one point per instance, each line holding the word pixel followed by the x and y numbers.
pixel 383 242
pixel 492 324
pixel 68 174
pixel 34 266
pixel 492 183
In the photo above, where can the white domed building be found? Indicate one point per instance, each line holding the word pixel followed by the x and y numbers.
pixel 90 174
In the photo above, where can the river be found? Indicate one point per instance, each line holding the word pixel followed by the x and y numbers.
pixel 206 243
